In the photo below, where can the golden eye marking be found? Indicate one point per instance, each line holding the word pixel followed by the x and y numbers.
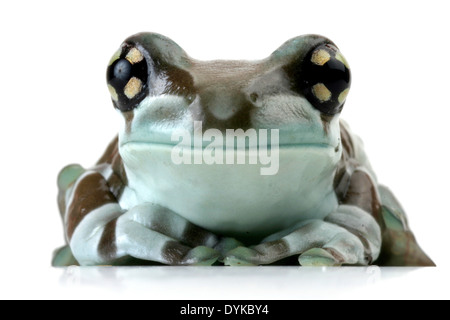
pixel 113 93
pixel 115 57
pixel 320 57
pixel 343 95
pixel 133 87
pixel 134 56
pixel 321 92
pixel 341 58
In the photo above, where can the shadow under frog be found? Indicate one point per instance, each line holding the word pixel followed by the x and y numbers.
pixel 323 207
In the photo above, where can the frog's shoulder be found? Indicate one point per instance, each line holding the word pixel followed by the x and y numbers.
pixel 347 140
pixel 111 159
pixel 353 149
pixel 111 152
pixel 353 159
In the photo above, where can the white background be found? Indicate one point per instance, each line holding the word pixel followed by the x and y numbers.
pixel 55 110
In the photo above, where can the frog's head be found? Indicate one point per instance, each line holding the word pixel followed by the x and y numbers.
pixel 300 89
pixel 158 87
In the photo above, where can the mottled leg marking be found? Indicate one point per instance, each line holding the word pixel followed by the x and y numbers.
pixel 107 246
pixel 331 241
pixel 89 193
pixel 93 240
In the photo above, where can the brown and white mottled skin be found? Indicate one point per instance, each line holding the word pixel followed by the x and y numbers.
pixel 324 207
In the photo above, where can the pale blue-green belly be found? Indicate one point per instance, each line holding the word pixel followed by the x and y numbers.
pixel 234 200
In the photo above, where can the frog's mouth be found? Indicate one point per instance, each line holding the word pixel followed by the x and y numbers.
pixel 265 158
pixel 236 139
pixel 231 147
pixel 205 146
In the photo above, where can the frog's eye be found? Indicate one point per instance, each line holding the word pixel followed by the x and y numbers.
pixel 127 76
pixel 325 78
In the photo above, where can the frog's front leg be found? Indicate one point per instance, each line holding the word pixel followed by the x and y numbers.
pixel 318 243
pixel 351 235
pixel 100 232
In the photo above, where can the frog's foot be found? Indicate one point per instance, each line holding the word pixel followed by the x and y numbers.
pixel 349 237
pixel 143 243
pixel 63 257
pixel 343 249
pixel 146 232
pixel 318 243
pixel 151 232
pixel 400 247
pixel 320 257
pixel 225 245
pixel 243 256
pixel 66 178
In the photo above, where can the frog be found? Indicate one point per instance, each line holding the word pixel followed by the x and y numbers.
pixel 322 206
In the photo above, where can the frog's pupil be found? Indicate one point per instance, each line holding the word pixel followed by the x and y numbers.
pixel 122 70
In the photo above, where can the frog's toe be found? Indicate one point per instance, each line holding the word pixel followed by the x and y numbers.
pixel 225 245
pixel 345 248
pixel 241 256
pixel 63 257
pixel 320 257
pixel 201 256
pixel 68 175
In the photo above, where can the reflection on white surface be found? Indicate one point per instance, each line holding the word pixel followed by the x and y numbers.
pixel 235 283
pixel 24 281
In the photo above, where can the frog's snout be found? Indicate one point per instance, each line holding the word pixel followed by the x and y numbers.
pixel 225 109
